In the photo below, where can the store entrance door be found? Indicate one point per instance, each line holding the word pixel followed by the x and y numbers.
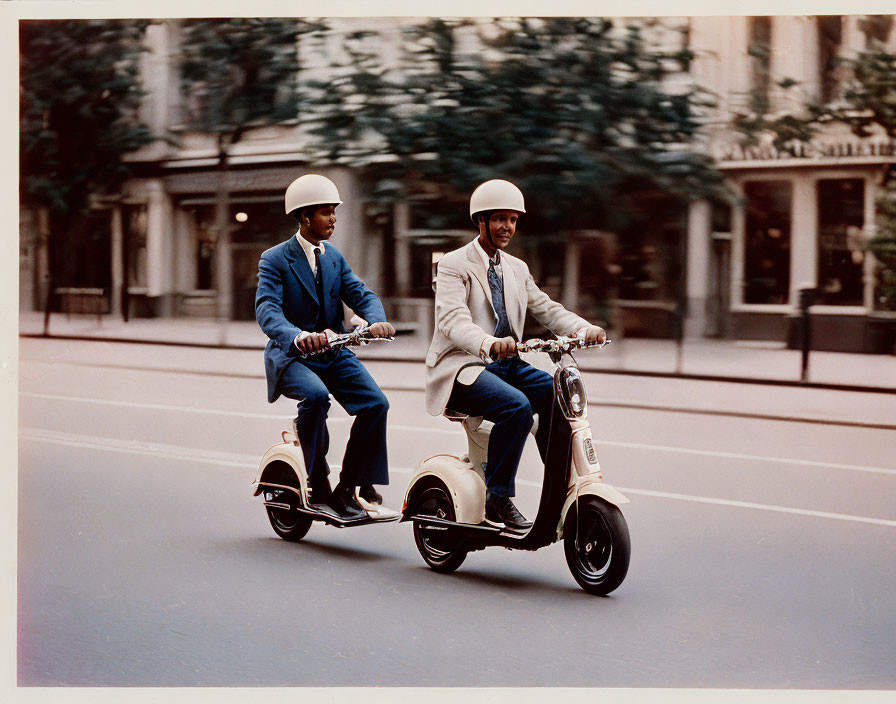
pixel 719 313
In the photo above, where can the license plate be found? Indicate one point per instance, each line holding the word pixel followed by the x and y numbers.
pixel 589 451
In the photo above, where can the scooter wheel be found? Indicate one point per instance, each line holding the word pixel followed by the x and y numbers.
pixel 597 545
pixel 288 524
pixel 435 549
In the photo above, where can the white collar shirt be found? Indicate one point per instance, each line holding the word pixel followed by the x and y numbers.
pixel 308 249
pixel 485 260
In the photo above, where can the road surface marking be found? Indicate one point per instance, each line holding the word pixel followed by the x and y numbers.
pixel 251 462
pixel 742 456
pixel 763 507
pixel 287 420
pixel 150 406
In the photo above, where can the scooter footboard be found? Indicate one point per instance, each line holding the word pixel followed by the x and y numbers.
pixel 465 486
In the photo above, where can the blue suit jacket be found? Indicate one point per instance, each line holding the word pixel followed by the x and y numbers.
pixel 286 301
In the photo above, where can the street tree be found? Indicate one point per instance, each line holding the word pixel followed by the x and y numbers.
pixel 79 102
pixel 238 74
pixel 578 111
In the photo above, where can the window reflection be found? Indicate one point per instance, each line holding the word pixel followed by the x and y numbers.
pixel 767 245
pixel 841 254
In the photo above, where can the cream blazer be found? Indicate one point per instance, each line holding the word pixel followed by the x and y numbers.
pixel 465 318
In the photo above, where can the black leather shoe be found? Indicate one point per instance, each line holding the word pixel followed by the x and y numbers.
pixel 499 510
pixel 343 503
pixel 319 491
pixel 370 495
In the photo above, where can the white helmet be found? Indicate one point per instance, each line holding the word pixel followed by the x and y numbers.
pixel 311 189
pixel 496 194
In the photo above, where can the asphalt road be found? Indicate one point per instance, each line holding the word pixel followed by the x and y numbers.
pixel 763 550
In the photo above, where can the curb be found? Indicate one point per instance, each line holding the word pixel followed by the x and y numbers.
pixel 686 376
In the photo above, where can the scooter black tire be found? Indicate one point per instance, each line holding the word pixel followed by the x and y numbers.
pixel 288 524
pixel 435 501
pixel 598 547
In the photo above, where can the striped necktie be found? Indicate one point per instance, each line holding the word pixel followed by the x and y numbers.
pixel 502 329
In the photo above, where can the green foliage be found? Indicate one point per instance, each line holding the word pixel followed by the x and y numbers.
pixel 79 102
pixel 573 110
pixel 242 72
pixel 883 245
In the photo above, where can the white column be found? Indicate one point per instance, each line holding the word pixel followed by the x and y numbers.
pixel 803 236
pixel 402 249
pixel 159 277
pixel 571 262
pixel 698 264
pixel 795 56
pixel 349 236
pixel 872 190
pixel 736 81
pixel 853 37
pixel 155 76
pixel 738 246
pixel 117 262
pixel 185 248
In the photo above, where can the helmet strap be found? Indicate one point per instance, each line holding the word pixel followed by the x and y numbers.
pixel 487 215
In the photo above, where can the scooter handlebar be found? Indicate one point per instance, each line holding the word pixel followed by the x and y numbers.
pixel 357 337
pixel 562 344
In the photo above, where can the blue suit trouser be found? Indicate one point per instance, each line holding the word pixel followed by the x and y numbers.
pixel 310 381
pixel 507 393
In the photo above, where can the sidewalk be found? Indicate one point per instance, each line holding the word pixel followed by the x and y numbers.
pixel 723 359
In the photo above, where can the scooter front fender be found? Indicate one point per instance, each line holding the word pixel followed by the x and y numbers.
pixel 288 453
pixel 464 483
pixel 594 488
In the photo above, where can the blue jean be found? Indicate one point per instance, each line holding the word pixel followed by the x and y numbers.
pixel 310 381
pixel 507 393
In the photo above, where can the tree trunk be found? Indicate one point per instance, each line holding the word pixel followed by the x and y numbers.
pixel 223 253
pixel 46 250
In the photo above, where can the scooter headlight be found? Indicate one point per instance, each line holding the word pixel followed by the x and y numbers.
pixel 571 393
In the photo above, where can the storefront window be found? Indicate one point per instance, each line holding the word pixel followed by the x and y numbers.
pixel 767 241
pixel 650 254
pixel 256 222
pixel 841 254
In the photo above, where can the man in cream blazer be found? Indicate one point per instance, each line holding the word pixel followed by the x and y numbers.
pixel 482 295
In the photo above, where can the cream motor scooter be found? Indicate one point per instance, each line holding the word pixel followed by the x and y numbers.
pixel 283 479
pixel 446 496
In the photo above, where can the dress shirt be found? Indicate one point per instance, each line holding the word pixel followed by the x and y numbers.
pixel 308 249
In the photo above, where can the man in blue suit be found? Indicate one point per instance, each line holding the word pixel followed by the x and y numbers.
pixel 302 284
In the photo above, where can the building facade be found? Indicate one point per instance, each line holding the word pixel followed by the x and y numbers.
pixel 798 220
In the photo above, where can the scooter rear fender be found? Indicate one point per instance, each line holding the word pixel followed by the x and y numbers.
pixel 288 453
pixel 465 484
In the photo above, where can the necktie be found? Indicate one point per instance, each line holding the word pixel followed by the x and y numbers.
pixel 502 329
pixel 317 279
pixel 319 287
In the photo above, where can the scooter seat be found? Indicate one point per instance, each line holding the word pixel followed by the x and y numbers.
pixel 458 417
pixel 474 423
